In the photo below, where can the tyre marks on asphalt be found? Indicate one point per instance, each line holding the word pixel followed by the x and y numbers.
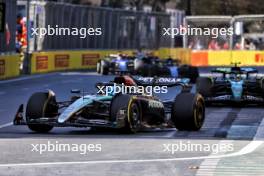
pixel 226 124
pixel 246 124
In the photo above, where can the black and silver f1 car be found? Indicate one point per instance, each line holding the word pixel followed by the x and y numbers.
pixel 235 84
pixel 127 112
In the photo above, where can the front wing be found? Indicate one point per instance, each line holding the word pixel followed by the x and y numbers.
pixel 53 121
pixel 229 98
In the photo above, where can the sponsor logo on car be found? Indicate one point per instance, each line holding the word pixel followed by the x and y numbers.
pixel 155 104
pixel 159 80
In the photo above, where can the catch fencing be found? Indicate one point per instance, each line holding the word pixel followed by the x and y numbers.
pixel 7 25
pixel 121 29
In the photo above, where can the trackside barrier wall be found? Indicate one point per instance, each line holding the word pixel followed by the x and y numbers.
pixel 182 54
pixel 42 62
pixel 9 66
pixel 225 58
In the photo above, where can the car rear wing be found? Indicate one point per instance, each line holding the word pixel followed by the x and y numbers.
pixel 235 70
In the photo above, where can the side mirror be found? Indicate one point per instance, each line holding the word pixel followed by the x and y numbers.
pixel 76 91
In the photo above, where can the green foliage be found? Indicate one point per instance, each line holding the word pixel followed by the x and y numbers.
pixel 157 5
pixel 222 7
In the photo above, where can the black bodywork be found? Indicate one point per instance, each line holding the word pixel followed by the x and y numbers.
pixel 102 110
pixel 232 85
pixel 154 66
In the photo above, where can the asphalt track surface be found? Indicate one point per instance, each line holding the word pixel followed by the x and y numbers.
pixel 143 153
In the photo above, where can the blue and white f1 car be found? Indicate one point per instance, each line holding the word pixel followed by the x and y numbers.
pixel 115 63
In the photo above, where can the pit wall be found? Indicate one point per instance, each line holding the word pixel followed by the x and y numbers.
pixel 9 66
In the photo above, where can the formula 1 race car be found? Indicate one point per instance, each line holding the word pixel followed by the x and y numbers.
pixel 115 63
pixel 235 84
pixel 153 66
pixel 126 112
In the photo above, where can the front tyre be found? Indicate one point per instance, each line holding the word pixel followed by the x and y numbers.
pixel 188 112
pixel 104 69
pixel 187 71
pixel 39 105
pixel 98 67
pixel 123 103
pixel 133 120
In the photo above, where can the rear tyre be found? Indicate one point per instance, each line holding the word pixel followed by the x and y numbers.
pixel 104 69
pixel 187 71
pixel 98 67
pixel 188 112
pixel 39 105
pixel 145 71
pixel 132 118
pixel 204 86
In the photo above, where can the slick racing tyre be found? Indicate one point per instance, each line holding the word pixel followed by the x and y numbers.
pixel 98 67
pixel 204 86
pixel 39 105
pixel 261 84
pixel 126 104
pixel 146 71
pixel 104 69
pixel 187 71
pixel 188 112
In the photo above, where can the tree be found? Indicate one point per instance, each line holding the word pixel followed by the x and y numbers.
pixel 222 7
pixel 157 5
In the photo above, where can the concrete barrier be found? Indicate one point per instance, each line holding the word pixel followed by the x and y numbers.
pixel 225 58
pixel 9 66
pixel 49 61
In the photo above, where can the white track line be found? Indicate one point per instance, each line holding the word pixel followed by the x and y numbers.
pixel 209 171
pixel 253 145
pixel 6 125
pixel 260 132
pixel 80 73
pixel 214 162
pixel 26 78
